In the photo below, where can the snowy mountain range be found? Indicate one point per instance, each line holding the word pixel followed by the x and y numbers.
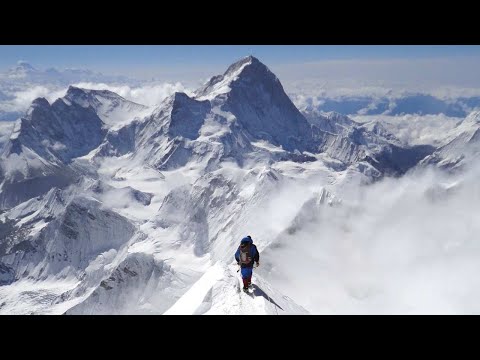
pixel 109 206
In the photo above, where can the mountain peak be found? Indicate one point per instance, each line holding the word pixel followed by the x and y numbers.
pixel 21 70
pixel 73 90
pixel 255 97
pixel 40 102
pixel 80 96
pixel 22 64
pixel 240 64
pixel 114 110
pixel 248 67
pixel 83 96
pixel 179 95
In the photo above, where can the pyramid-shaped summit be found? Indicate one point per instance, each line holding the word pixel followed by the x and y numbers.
pixel 255 96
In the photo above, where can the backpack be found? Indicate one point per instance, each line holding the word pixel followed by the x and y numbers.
pixel 245 257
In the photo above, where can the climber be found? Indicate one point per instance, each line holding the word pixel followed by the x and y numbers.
pixel 245 256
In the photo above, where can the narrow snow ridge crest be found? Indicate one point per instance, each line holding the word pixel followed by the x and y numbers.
pixel 218 291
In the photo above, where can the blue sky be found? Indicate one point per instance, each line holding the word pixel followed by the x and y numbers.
pixel 306 71
pixel 297 66
pixel 121 59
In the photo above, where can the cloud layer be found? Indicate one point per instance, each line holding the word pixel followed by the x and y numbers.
pixel 400 246
pixel 424 75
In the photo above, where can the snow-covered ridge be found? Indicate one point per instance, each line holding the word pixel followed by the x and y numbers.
pixel 218 292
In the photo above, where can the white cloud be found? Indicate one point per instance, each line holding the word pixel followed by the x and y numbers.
pixel 303 92
pixel 405 245
pixel 21 99
pixel 149 94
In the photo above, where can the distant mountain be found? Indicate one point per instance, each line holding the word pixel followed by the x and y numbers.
pixel 38 154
